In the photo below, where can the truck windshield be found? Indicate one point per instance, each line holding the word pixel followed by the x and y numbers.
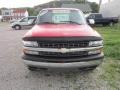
pixel 61 17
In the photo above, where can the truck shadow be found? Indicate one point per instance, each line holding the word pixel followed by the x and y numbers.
pixel 69 80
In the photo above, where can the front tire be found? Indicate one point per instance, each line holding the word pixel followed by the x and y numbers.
pixel 17 27
pixel 105 25
pixel 31 68
pixel 92 68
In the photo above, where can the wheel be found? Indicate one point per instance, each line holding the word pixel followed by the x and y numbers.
pixel 105 25
pixel 17 27
pixel 31 68
pixel 88 68
pixel 92 68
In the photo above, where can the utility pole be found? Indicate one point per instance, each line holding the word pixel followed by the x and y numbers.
pixel 100 2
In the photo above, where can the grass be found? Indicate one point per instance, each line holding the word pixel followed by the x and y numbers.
pixel 111 36
pixel 111 73
pixel 111 64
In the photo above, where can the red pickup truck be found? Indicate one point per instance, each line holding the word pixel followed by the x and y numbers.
pixel 62 39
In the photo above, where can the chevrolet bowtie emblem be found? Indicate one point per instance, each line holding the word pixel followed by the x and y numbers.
pixel 64 50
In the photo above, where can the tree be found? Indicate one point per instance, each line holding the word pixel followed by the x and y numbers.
pixel 32 12
pixel 0 12
pixel 94 7
pixel 80 1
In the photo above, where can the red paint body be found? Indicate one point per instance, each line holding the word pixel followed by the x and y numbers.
pixel 61 30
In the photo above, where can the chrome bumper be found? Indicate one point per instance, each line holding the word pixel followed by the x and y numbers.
pixel 63 65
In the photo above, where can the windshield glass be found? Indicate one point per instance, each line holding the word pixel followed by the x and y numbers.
pixel 61 17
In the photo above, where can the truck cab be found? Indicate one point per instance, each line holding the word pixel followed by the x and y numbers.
pixel 62 39
pixel 100 20
pixel 26 23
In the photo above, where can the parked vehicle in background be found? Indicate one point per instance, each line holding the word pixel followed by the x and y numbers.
pixel 100 20
pixel 14 20
pixel 26 22
pixel 1 18
pixel 61 38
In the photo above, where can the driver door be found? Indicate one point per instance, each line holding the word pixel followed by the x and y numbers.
pixel 24 22
pixel 31 22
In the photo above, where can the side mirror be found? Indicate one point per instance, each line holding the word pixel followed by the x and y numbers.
pixel 91 21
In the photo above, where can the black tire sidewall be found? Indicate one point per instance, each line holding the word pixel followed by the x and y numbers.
pixel 31 68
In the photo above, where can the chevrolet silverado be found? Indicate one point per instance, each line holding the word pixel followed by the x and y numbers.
pixel 62 39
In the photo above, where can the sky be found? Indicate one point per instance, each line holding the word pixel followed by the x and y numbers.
pixel 29 3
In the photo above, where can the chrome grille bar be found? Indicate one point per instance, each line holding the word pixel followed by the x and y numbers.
pixel 62 50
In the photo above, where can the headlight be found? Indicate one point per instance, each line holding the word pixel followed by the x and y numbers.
pixel 30 43
pixel 96 43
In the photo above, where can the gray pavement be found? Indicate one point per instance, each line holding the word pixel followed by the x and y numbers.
pixel 14 75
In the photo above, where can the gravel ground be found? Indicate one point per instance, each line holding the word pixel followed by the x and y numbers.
pixel 15 76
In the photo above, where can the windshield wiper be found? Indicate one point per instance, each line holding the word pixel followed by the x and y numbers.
pixel 58 23
pixel 72 22
pixel 47 23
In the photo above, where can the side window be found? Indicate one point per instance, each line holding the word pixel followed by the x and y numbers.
pixel 98 16
pixel 24 20
pixel 44 17
pixel 92 16
pixel 31 20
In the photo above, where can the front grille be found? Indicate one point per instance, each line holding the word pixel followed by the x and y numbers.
pixel 76 44
pixel 61 44
pixel 63 55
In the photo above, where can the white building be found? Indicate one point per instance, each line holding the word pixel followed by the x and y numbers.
pixel 19 13
pixel 11 14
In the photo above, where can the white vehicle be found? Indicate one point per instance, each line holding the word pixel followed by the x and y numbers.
pixel 0 18
pixel 26 22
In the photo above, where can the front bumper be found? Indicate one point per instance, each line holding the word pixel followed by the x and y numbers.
pixel 68 63
pixel 63 65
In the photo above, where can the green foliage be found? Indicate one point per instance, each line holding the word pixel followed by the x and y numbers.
pixel 111 37
pixel 80 1
pixel 111 73
pixel 94 7
pixel 0 12
pixel 32 12
pixel 111 64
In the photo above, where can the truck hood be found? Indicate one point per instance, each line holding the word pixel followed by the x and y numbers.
pixel 61 30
